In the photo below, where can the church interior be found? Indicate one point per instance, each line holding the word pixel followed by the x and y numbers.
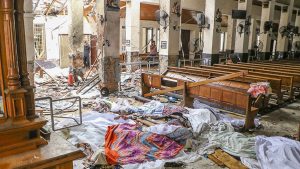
pixel 149 84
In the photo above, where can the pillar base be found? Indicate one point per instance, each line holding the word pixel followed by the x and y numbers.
pixel 243 57
pixel 167 60
pixel 297 54
pixel 132 57
pixel 229 51
pixel 110 73
pixel 214 58
pixel 266 55
pixel 251 52
pixel 281 55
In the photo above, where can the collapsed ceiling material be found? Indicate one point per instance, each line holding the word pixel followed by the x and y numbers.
pixel 55 7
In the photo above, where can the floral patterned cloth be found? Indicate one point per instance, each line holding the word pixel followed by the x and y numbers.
pixel 170 109
pixel 126 144
pixel 259 88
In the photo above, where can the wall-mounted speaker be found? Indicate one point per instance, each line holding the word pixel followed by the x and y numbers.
pixel 239 14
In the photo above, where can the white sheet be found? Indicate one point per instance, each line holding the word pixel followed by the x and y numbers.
pixel 199 117
pixel 277 152
pixel 162 129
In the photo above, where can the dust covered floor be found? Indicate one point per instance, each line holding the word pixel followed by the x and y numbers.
pixel 281 122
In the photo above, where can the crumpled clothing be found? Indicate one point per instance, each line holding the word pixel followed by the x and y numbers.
pixel 153 108
pixel 177 133
pixel 103 105
pixel 251 163
pixel 222 135
pixel 199 117
pixel 150 108
pixel 159 164
pixel 126 144
pixel 277 152
pixel 237 123
pixel 234 143
pixel 181 135
pixel 257 89
pixel 170 109
pixel 123 105
pixel 162 129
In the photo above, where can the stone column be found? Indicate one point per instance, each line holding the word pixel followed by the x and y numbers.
pixel 267 14
pixel 75 13
pixel 169 37
pixel 230 39
pixel 252 37
pixel 132 24
pixel 242 40
pixel 108 20
pixel 212 38
pixel 297 38
pixel 22 58
pixel 285 19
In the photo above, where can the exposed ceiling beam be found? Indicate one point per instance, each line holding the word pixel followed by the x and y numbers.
pixel 36 5
pixel 49 7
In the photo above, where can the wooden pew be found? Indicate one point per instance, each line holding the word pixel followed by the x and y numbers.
pixel 277 64
pixel 281 63
pixel 264 70
pixel 290 69
pixel 286 81
pixel 287 60
pixel 275 83
pixel 192 74
pixel 221 97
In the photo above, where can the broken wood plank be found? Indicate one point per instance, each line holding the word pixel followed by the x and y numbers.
pixel 43 69
pixel 190 85
pixel 228 160
pixel 217 161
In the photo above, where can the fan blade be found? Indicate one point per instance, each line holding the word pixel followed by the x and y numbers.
pixel 157 15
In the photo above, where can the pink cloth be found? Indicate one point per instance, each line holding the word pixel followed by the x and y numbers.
pixel 259 88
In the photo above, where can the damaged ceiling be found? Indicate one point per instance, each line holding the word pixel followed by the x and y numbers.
pixel 56 7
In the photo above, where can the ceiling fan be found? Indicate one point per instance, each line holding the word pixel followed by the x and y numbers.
pixel 162 17
pixel 243 26
pixel 200 18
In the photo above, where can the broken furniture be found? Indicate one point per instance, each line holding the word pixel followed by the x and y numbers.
pixel 222 97
pixel 280 84
pixel 239 83
pixel 58 114
pixel 294 81
pixel 90 84
pixel 223 159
